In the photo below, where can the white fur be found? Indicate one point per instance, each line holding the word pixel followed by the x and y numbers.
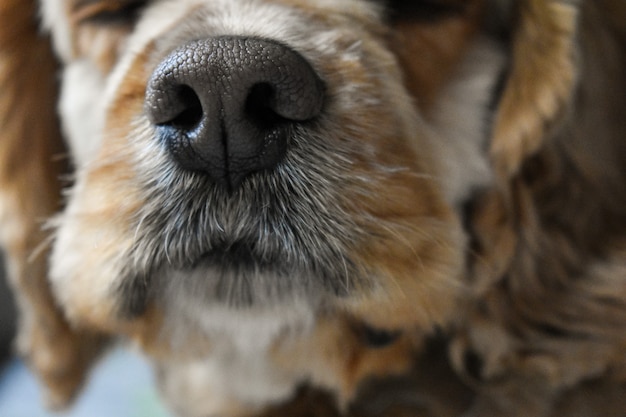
pixel 55 20
pixel 461 122
pixel 81 106
pixel 82 109
pixel 238 367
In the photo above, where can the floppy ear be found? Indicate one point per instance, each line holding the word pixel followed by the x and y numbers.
pixel 31 165
pixel 540 81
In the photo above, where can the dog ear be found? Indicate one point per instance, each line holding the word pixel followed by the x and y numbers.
pixel 540 81
pixel 31 166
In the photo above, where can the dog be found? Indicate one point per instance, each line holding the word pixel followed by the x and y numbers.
pixel 546 269
pixel 261 194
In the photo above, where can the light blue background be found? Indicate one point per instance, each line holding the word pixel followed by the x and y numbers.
pixel 120 386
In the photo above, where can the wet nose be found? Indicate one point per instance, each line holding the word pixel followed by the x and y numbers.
pixel 226 106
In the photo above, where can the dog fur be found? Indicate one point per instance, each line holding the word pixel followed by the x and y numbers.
pixel 547 260
pixel 466 173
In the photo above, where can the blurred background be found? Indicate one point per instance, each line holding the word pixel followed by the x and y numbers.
pixel 121 385
pixel 7 317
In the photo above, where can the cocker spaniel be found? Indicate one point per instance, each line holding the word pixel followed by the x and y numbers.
pixel 262 194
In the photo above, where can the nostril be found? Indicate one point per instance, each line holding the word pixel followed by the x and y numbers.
pixel 190 110
pixel 259 106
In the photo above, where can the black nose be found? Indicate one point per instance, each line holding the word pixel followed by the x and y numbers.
pixel 226 105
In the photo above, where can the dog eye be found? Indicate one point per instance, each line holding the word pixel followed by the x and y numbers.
pixel 107 12
pixel 424 10
pixel 378 338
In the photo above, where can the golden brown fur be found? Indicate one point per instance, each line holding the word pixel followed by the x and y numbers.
pixel 539 309
pixel 32 163
pixel 540 80
pixel 547 268
pixel 334 355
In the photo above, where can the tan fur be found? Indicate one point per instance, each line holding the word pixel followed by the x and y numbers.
pixel 416 233
pixel 430 53
pixel 543 70
pixel 340 361
pixel 541 308
pixel 32 162
pixel 548 271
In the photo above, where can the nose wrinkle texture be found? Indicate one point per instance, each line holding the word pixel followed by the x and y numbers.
pixel 223 71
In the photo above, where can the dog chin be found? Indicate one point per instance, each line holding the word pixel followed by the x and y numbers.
pixel 238 277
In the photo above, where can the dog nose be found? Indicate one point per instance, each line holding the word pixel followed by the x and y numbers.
pixel 226 106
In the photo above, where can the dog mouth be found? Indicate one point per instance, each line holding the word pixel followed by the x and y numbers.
pixel 237 255
pixel 234 255
pixel 286 231
pixel 240 275
pixel 248 261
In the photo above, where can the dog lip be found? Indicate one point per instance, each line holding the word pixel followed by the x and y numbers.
pixel 236 255
pixel 248 263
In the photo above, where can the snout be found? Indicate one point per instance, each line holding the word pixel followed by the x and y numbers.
pixel 225 106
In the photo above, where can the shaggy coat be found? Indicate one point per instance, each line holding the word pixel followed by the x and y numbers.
pixel 462 172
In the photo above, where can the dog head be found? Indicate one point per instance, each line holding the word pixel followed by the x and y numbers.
pixel 248 169
pixel 244 160
pixel 242 153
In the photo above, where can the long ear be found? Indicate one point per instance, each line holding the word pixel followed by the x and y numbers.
pixel 540 80
pixel 31 166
